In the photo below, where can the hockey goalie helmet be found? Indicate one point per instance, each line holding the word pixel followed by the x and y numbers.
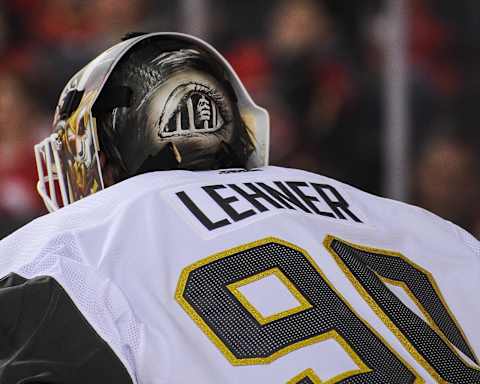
pixel 157 101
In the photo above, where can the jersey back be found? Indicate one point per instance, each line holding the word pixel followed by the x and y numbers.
pixel 271 275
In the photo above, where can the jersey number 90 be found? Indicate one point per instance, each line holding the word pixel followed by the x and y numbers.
pixel 208 292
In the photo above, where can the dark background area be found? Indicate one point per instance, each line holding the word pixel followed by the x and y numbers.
pixel 317 66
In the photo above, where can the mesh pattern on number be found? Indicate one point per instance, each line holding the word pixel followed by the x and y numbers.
pixel 363 265
pixel 206 292
pixel 395 268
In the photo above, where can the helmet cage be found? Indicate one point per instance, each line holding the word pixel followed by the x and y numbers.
pixel 49 173
pixel 67 174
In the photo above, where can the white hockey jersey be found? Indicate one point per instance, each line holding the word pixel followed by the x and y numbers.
pixel 271 275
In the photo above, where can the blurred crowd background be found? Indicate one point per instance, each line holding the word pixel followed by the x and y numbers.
pixel 316 65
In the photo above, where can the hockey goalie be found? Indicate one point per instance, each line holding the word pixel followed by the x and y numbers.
pixel 174 254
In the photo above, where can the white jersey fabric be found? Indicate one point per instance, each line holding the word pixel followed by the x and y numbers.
pixel 272 275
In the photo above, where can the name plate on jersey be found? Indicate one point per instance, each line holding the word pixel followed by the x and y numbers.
pixel 214 207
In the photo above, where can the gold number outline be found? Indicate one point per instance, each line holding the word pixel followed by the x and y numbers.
pixel 384 317
pixel 310 373
pixel 363 368
pixel 304 303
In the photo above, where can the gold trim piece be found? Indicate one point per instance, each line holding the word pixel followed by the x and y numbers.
pixel 310 373
pixel 303 302
pixel 303 375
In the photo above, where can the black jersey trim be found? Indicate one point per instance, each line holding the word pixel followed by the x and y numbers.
pixel 44 338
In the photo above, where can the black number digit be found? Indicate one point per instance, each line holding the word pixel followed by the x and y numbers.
pixel 432 344
pixel 206 291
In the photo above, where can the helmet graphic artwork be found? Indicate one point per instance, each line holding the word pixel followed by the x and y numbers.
pixel 157 101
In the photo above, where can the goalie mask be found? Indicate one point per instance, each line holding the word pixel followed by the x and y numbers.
pixel 158 101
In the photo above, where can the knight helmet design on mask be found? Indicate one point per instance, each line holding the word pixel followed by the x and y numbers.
pixel 157 101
